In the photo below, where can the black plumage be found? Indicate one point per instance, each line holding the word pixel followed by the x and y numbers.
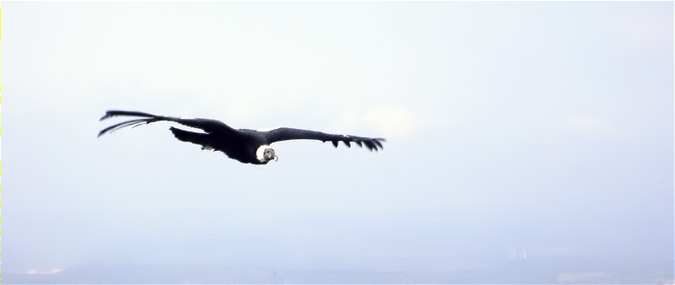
pixel 244 145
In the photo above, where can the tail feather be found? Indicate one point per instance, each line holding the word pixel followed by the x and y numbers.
pixel 195 138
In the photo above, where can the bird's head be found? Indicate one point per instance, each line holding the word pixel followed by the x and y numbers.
pixel 265 154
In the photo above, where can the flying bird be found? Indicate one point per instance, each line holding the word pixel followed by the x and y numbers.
pixel 244 145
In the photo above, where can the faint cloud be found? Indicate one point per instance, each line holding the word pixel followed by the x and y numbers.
pixel 394 121
pixel 587 123
pixel 33 271
pixel 385 121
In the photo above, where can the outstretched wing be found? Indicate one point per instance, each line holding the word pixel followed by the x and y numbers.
pixel 207 125
pixel 283 134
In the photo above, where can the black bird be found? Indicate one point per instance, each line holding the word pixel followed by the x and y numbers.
pixel 244 145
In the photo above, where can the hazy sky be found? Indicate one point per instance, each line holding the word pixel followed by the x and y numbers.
pixel 528 142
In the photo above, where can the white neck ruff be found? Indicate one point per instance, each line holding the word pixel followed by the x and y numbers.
pixel 260 152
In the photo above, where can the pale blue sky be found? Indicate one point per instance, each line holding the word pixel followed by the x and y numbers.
pixel 528 142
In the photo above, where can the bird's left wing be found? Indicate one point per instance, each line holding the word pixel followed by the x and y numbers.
pixel 283 134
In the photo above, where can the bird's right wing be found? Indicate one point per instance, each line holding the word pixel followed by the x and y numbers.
pixel 283 134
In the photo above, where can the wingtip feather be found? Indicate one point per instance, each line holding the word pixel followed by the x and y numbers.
pixel 114 113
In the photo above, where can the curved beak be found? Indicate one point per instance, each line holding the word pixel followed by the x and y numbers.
pixel 276 158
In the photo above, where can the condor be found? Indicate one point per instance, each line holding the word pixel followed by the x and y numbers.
pixel 244 145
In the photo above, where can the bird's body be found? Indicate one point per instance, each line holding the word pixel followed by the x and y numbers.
pixel 242 148
pixel 244 145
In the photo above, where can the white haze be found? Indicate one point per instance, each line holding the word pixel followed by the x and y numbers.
pixel 528 142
